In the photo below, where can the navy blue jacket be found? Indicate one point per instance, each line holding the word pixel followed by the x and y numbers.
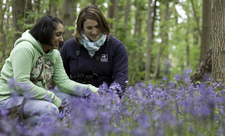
pixel 112 66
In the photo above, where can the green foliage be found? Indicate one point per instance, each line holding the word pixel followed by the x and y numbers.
pixel 70 28
pixel 136 44
pixel 110 20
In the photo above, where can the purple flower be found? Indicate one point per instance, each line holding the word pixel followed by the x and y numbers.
pixel 164 79
pixel 177 77
pixel 171 84
pixel 189 71
pixel 90 114
pixel 205 111
pixel 115 86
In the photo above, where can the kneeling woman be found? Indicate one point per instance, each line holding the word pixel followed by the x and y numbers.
pixel 34 61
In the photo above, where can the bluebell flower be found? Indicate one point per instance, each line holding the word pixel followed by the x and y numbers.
pixel 164 79
pixel 177 77
pixel 189 71
pixel 115 86
pixel 205 111
pixel 171 84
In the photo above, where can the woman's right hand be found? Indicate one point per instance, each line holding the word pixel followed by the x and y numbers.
pixel 60 107
pixel 98 94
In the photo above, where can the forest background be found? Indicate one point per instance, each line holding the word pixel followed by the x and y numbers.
pixel 151 30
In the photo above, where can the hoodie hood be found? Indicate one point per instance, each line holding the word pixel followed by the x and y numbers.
pixel 26 36
pixel 27 63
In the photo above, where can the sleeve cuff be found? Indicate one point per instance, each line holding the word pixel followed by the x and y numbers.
pixel 93 88
pixel 57 101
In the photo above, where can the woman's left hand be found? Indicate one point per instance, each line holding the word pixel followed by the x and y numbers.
pixel 60 107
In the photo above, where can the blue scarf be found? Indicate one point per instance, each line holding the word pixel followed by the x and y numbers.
pixel 92 47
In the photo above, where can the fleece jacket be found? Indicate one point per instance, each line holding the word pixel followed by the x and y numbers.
pixel 24 65
pixel 112 66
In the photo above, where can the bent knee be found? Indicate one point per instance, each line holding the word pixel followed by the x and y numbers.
pixel 50 109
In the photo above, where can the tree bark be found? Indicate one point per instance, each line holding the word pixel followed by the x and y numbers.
pixel 53 8
pixel 218 40
pixel 148 51
pixel 127 10
pixel 203 71
pixel 18 12
pixel 137 14
pixel 164 37
pixel 138 56
pixel 187 49
pixel 196 18
pixel 93 2
pixel 3 45
pixel 154 17
pixel 116 16
pixel 206 29
pixel 68 17
pixel 111 12
pixel 28 8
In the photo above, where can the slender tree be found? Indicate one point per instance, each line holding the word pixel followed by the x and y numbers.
pixel 18 13
pixel 3 45
pixel 206 29
pixel 187 41
pixel 116 16
pixel 68 17
pixel 127 10
pixel 111 10
pixel 53 7
pixel 148 51
pixel 93 2
pixel 196 17
pixel 164 36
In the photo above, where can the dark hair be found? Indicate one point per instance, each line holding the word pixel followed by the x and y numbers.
pixel 43 29
pixel 91 12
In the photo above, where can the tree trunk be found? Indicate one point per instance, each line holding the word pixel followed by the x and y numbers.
pixel 148 51
pixel 38 2
pixel 68 17
pixel 196 18
pixel 29 19
pixel 18 12
pixel 164 37
pixel 116 16
pixel 204 70
pixel 154 17
pixel 127 10
pixel 93 2
pixel 218 40
pixel 206 29
pixel 138 55
pixel 195 36
pixel 187 49
pixel 3 45
pixel 195 32
pixel 136 19
pixel 111 12
pixel 53 8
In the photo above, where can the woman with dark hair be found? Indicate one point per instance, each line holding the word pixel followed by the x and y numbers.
pixel 33 62
pixel 93 55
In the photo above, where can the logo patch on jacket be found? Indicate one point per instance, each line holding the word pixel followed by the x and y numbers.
pixel 104 58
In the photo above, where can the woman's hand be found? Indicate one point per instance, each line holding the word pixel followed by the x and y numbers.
pixel 60 107
pixel 98 94
pixel 118 99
